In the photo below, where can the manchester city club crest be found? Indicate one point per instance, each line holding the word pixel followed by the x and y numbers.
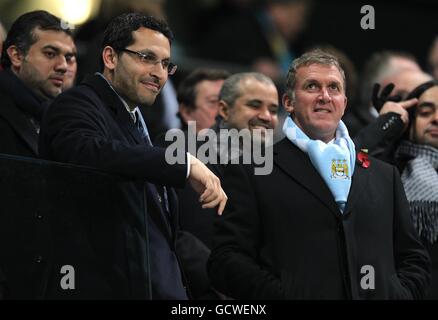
pixel 340 169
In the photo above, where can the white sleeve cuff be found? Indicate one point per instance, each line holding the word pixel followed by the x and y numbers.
pixel 188 165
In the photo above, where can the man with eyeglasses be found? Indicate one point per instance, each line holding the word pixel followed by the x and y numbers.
pixel 98 124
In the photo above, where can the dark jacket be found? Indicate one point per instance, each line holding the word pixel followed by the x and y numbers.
pixel 89 125
pixel 282 235
pixel 20 114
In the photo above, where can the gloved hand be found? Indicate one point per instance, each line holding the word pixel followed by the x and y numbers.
pixel 379 100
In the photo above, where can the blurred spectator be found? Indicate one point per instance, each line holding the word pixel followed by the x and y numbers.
pixel 2 38
pixel 70 75
pixel 261 38
pixel 380 68
pixel 198 97
pixel 381 135
pixel 433 58
pixel 35 59
pixel 417 159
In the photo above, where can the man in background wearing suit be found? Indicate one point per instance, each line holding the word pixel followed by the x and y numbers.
pixel 98 124
pixel 324 224
pixel 35 57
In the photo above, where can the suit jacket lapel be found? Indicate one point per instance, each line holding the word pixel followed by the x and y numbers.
pixel 21 124
pixel 359 182
pixel 157 213
pixel 299 167
pixel 122 117
pixel 113 102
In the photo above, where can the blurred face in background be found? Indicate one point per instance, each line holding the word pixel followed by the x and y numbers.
pixel 405 81
pixel 425 129
pixel 2 37
pixel 70 75
pixel 206 106
pixel 255 108
pixel 433 59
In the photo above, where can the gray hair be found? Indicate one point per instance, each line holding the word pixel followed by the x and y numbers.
pixel 316 56
pixel 231 89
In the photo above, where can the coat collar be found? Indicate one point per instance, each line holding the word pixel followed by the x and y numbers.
pixel 298 166
pixel 19 104
pixel 113 102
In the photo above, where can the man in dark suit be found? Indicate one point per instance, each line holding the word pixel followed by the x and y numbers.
pixel 324 224
pixel 98 124
pixel 35 58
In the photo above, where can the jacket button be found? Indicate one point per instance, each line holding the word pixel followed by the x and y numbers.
pixel 38 259
pixel 38 215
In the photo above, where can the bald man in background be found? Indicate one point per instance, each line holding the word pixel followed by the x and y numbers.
pixel 381 136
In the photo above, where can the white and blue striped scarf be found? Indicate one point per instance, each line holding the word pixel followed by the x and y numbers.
pixel 420 180
pixel 334 161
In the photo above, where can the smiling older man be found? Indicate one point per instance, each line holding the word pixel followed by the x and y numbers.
pixel 325 224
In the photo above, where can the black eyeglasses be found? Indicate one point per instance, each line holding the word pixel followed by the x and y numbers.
pixel 151 59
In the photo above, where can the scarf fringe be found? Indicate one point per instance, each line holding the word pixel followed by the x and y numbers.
pixel 425 217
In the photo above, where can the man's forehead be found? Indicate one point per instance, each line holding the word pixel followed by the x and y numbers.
pixel 253 89
pixel 430 95
pixel 146 38
pixel 319 71
pixel 54 38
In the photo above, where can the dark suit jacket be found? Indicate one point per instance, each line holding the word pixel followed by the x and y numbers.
pixel 18 105
pixel 89 125
pixel 283 236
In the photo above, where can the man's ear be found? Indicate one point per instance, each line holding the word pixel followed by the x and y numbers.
pixel 16 56
pixel 109 57
pixel 224 110
pixel 288 103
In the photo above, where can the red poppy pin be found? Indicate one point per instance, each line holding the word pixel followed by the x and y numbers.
pixel 363 159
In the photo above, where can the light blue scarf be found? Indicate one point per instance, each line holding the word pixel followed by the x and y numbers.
pixel 334 161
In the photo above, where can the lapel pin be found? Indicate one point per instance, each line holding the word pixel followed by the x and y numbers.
pixel 363 159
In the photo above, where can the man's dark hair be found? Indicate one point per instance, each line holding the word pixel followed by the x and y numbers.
pixel 118 33
pixel 187 89
pixel 22 32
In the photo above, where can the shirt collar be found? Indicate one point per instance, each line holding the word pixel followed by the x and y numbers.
pixel 132 112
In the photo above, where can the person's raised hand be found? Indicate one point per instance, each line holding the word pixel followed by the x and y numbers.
pixel 400 108
pixel 380 99
pixel 208 185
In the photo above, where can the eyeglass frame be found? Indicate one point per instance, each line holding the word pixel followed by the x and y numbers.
pixel 171 68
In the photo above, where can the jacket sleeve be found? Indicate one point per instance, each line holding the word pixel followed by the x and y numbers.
pixel 411 258
pixel 380 134
pixel 234 266
pixel 77 130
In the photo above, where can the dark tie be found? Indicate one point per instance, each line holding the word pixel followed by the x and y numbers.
pixel 161 191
